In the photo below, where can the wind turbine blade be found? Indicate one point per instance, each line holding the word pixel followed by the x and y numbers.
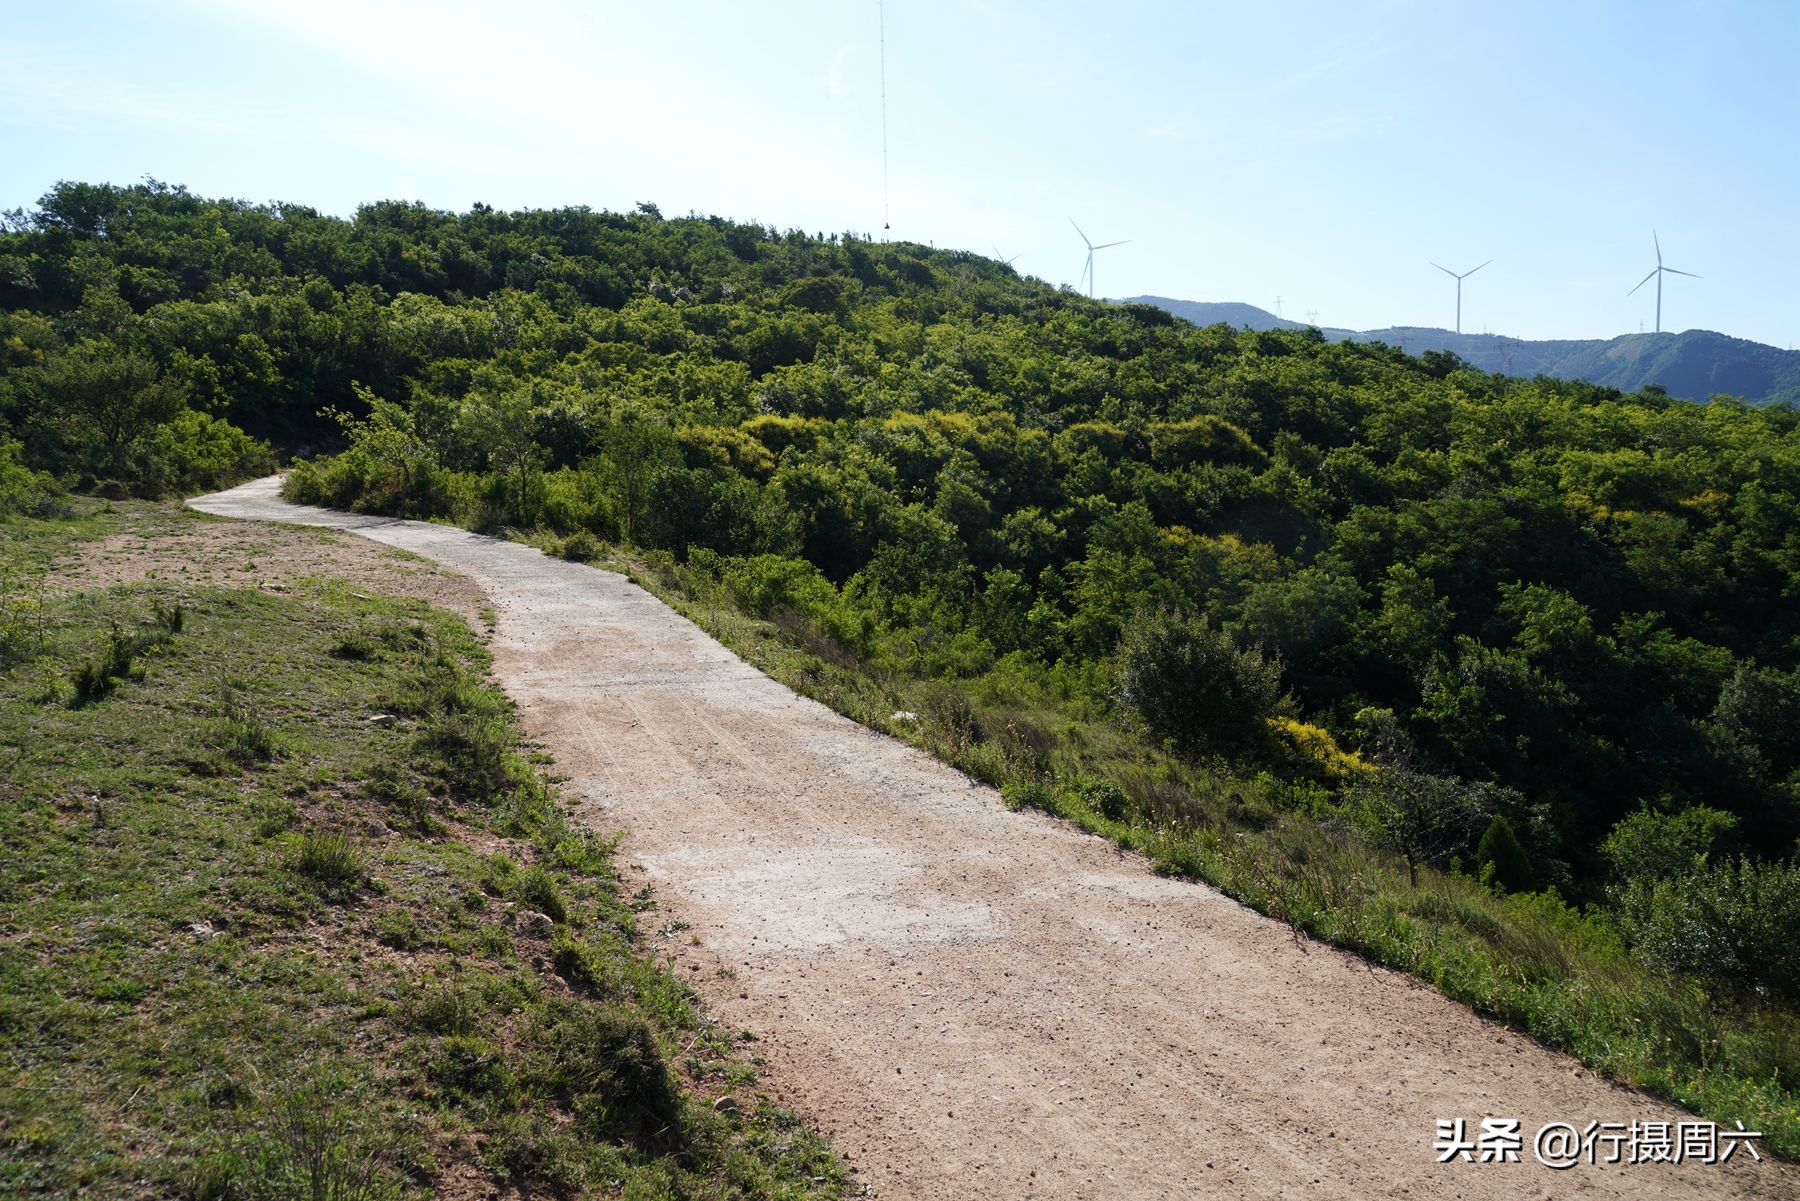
pixel 1084 237
pixel 1473 270
pixel 1447 271
pixel 1658 242
pixel 1645 280
pixel 1104 245
pixel 1689 274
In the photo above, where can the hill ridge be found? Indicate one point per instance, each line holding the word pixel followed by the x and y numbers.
pixel 1695 364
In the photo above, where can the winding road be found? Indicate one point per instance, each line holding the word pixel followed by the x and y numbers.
pixel 974 1003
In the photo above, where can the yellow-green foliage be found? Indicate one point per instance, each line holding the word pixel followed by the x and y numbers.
pixel 1315 748
pixel 779 433
pixel 1181 443
pixel 726 448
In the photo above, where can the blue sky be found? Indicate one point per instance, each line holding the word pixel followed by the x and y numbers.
pixel 1320 153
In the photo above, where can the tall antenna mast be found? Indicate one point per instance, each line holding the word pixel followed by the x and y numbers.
pixel 881 17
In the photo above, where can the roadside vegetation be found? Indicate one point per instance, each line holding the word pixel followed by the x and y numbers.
pixel 1494 680
pixel 288 912
pixel 1684 990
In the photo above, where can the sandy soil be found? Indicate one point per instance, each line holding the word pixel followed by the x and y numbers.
pixel 976 1003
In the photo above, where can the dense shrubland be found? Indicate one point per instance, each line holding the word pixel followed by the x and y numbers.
pixel 1533 641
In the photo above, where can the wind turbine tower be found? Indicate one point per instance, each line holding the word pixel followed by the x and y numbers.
pixel 1459 278
pixel 1659 273
pixel 1087 272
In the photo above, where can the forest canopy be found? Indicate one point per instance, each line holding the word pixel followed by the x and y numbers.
pixel 1550 605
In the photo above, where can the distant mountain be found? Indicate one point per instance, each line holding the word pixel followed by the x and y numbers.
pixel 1238 316
pixel 1693 365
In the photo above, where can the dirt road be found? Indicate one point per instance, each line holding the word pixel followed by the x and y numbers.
pixel 976 1003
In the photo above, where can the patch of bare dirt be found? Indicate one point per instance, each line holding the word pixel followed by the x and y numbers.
pixel 976 1003
pixel 192 548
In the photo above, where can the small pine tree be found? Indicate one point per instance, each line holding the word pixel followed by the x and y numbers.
pixel 1502 858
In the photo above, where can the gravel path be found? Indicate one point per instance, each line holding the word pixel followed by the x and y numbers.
pixel 976 1003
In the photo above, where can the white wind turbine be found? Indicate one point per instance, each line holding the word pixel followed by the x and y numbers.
pixel 1459 278
pixel 1087 272
pixel 1659 273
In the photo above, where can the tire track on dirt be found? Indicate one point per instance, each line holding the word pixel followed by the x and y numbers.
pixel 978 1003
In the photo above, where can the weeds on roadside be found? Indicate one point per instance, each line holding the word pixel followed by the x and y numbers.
pixel 238 733
pixel 99 677
pixel 313 1145
pixel 1285 848
pixel 329 858
pixel 24 628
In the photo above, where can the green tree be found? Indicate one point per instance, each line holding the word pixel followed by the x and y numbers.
pixel 1502 858
pixel 105 398
pixel 1650 845
pixel 635 448
pixel 1187 682
pixel 1419 816
pixel 502 426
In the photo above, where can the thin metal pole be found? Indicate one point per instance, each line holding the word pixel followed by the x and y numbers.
pixel 881 11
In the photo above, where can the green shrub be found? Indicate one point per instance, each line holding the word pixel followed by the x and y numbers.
pixel 1105 798
pixel 1729 925
pixel 356 646
pixel 952 718
pixel 1189 684
pixel 581 964
pixel 445 1009
pixel 471 1066
pixel 396 788
pixel 1028 794
pixel 579 547
pixel 473 751
pixel 24 627
pixel 1649 845
pixel 538 888
pixel 22 490
pixel 529 1148
pixel 1502 858
pixel 99 677
pixel 198 451
pixel 605 1062
pixel 1419 816
pixel 315 1146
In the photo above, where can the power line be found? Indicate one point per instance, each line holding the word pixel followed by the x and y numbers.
pixel 881 11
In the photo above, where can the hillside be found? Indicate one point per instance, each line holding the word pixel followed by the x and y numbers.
pixel 1490 678
pixel 1694 365
pixel 290 915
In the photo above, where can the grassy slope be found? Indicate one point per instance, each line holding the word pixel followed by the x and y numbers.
pixel 250 939
pixel 1528 959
